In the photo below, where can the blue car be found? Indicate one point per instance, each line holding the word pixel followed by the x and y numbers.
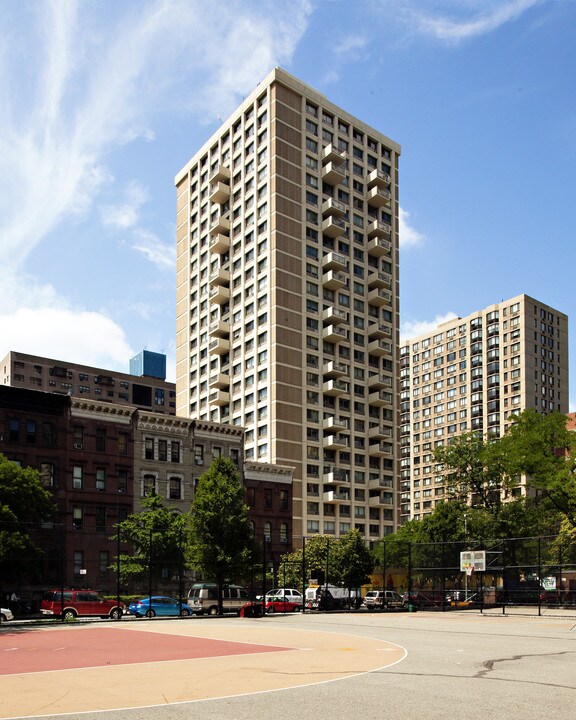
pixel 160 606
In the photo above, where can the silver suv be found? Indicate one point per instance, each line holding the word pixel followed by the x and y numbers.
pixel 379 599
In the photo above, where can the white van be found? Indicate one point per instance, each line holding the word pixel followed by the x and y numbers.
pixel 203 598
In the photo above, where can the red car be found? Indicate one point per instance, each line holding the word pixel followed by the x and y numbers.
pixel 79 603
pixel 274 605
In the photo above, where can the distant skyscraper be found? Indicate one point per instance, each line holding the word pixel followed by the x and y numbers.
pixel 149 364
pixel 287 299
pixel 471 374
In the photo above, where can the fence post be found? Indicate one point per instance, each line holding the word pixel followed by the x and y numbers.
pixel 539 578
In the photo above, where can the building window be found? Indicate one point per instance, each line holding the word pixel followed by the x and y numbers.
pixel 77 477
pixel 268 531
pixel 77 518
pixel 175 451
pixel 123 443
pixel 148 485
pixel 100 479
pixel 100 519
pixel 284 533
pixel 199 454
pixel 175 488
pixel 30 431
pixel 268 499
pixel 14 429
pixel 149 448
pixel 103 563
pixel 47 474
pixel 122 480
pixel 101 439
pixel 78 562
pixel 78 437
pixel 284 500
pixel 163 450
pixel 158 396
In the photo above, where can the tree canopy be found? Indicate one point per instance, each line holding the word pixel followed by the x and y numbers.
pixel 222 547
pixel 24 502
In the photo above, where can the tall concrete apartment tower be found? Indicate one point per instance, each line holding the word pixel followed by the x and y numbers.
pixel 287 300
pixel 471 374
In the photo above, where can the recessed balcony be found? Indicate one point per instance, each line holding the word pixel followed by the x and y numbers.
pixel 379 279
pixel 333 226
pixel 219 397
pixel 333 172
pixel 380 499
pixel 335 369
pixel 219 346
pixel 219 328
pixel 334 261
pixel 220 243
pixel 334 315
pixel 380 432
pixel 380 483
pixel 332 154
pixel 335 387
pixel 379 197
pixel 334 333
pixel 333 279
pixel 380 449
pixel 378 178
pixel 333 207
pixel 220 294
pixel 379 382
pixel 219 276
pixel 379 297
pixel 219 192
pixel 378 229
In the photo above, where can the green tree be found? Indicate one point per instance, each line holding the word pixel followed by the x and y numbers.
pixel 353 561
pixel 24 502
pixel 542 448
pixel 157 536
pixel 222 547
pixel 317 556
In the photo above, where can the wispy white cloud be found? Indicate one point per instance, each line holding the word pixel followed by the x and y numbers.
pixel 414 328
pixel 163 255
pixel 409 236
pixel 125 214
pixel 454 21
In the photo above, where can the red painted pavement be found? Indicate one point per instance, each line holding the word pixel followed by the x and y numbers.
pixel 39 651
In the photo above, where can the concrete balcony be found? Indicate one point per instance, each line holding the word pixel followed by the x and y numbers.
pixel 336 477
pixel 380 432
pixel 220 243
pixel 219 328
pixel 381 449
pixel 335 442
pixel 379 246
pixel 219 277
pixel 335 334
pixel 333 226
pixel 334 315
pixel 379 382
pixel 378 229
pixel 380 348
pixel 379 279
pixel 332 154
pixel 380 499
pixel 221 381
pixel 334 261
pixel 219 192
pixel 219 346
pixel 333 173
pixel 334 496
pixel 219 397
pixel 220 294
pixel 220 225
pixel 379 297
pixel 377 178
pixel 334 369
pixel 380 483
pixel 335 423
pixel 379 331
pixel 335 387
pixel 334 279
pixel 221 173
pixel 380 398
pixel 333 207
pixel 379 197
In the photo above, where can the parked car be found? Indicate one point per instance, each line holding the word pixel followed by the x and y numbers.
pixel 279 604
pixel 378 599
pixel 161 605
pixel 79 603
pixel 420 599
pixel 6 614
pixel 203 598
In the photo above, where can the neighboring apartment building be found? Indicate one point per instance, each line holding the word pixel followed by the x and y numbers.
pixel 471 374
pixel 287 299
pixel 148 391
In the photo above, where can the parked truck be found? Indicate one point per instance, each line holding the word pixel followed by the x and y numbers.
pixel 331 597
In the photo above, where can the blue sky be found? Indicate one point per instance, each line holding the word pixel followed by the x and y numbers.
pixel 102 102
